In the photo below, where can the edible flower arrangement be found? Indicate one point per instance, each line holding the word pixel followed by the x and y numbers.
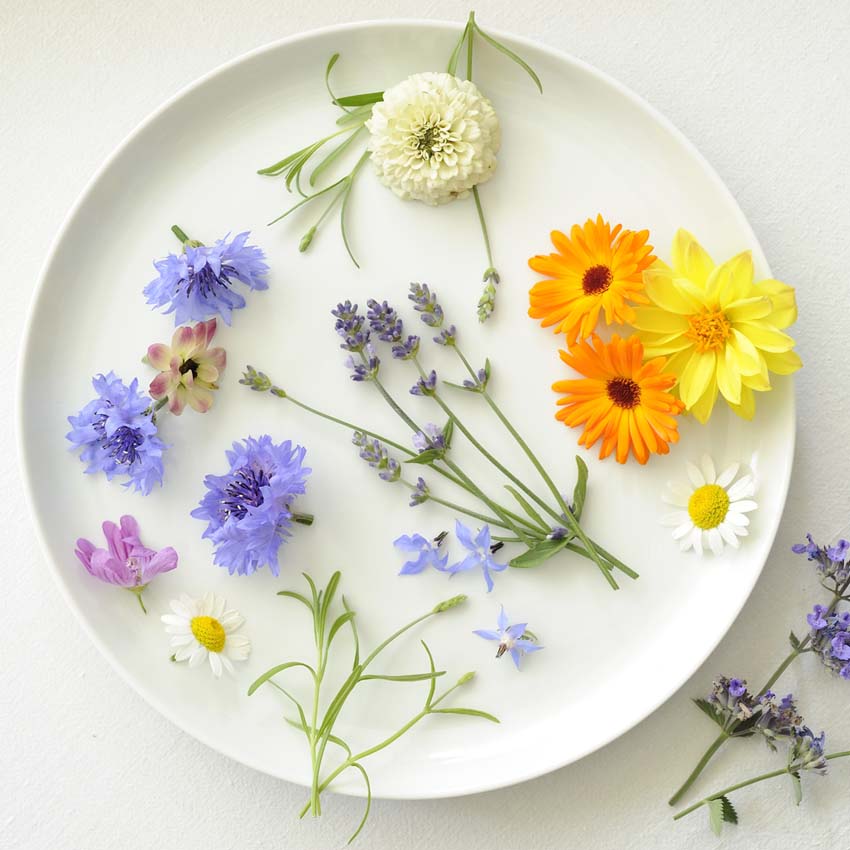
pixel 646 344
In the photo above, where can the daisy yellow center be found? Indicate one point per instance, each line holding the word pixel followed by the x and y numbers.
pixel 624 392
pixel 209 633
pixel 709 330
pixel 596 280
pixel 708 506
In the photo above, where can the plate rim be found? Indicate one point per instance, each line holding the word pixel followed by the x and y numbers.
pixel 26 351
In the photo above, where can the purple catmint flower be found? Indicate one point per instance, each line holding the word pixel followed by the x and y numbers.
pixel 425 386
pixel 425 303
pixel 832 562
pixel 126 562
pixel 248 510
pixel 384 321
pixel 513 639
pixel 807 751
pixel 428 553
pixel 831 639
pixel 199 283
pixel 480 555
pixel 116 434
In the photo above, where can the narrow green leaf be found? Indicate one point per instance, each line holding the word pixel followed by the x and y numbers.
pixel 278 167
pixel 338 623
pixel 729 813
pixel 426 457
pixel 433 685
pixel 345 196
pixel 330 591
pixel 460 387
pixel 354 634
pixel 358 116
pixel 448 431
pixel 526 505
pixel 368 800
pixel 580 490
pixel 794 641
pixel 293 595
pixel 410 677
pixel 331 62
pixel 511 55
pixel 715 816
pixel 538 554
pixel 278 669
pixel 706 708
pixel 365 99
pixel 470 712
pixel 455 55
pixel 797 785
pixel 333 156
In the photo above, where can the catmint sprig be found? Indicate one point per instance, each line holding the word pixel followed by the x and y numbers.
pixel 318 730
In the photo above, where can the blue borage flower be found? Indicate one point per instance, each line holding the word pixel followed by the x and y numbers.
pixel 198 284
pixel 117 434
pixel 514 639
pixel 480 554
pixel 428 553
pixel 249 509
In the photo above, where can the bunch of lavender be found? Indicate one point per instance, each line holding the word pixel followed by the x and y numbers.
pixel 740 713
pixel 317 730
pixel 544 529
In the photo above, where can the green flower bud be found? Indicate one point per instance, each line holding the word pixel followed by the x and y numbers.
pixel 449 603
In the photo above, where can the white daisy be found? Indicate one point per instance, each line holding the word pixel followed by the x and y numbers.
pixel 202 629
pixel 713 508
pixel 433 137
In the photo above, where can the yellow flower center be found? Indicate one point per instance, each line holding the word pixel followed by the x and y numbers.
pixel 708 506
pixel 596 280
pixel 709 330
pixel 209 633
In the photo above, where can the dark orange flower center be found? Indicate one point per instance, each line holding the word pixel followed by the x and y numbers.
pixel 709 330
pixel 624 392
pixel 596 280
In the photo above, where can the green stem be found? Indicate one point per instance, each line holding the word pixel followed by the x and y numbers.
pixel 484 232
pixel 471 26
pixel 715 745
pixel 179 233
pixel 788 769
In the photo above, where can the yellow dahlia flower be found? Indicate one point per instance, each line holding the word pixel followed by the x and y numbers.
pixel 720 330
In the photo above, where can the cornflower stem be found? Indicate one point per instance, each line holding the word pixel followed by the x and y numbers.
pixel 788 769
pixel 724 736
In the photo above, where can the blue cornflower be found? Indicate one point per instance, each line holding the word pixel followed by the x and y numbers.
pixel 514 639
pixel 425 386
pixel 249 509
pixel 350 326
pixel 384 321
pixel 479 555
pixel 198 284
pixel 367 371
pixel 427 552
pixel 430 437
pixel 406 350
pixel 447 336
pixel 832 561
pixel 831 639
pixel 117 434
pixel 425 303
pixel 420 493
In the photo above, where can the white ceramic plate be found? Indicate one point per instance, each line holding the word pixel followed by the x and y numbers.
pixel 586 145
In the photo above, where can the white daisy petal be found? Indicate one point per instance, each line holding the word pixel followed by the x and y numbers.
pixel 179 607
pixel 742 488
pixel 694 474
pixel 737 519
pixel 683 529
pixel 728 475
pixel 182 640
pixel 708 471
pixel 697 538
pixel 744 506
pixel 215 664
pixel 198 655
pixel 678 495
pixel 184 653
pixel 675 519
pixel 231 620
pixel 227 663
pixel 715 541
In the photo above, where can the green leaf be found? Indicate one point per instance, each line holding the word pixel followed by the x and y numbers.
pixel 511 55
pixel 469 712
pixel 453 59
pixel 365 817
pixel 539 553
pixel 331 62
pixel 729 814
pixel 580 490
pixel 433 685
pixel 293 595
pixel 448 432
pixel 794 641
pixel 278 669
pixel 357 117
pixel 338 623
pixel 330 590
pixel 356 637
pixel 365 99
pixel 332 157
pixel 526 506
pixel 715 816
pixel 797 785
pixel 706 708
pixel 410 677
pixel 428 456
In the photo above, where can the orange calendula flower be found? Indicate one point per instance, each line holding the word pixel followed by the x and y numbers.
pixel 596 268
pixel 621 400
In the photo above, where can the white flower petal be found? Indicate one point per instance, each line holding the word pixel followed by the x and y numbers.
pixel 708 471
pixel 697 540
pixel 727 476
pixel 694 473
pixel 675 518
pixel 715 541
pixel 182 640
pixel 727 532
pixel 738 520
pixel 198 655
pixel 231 620
pixel 215 664
pixel 226 663
pixel 742 488
pixel 744 506
pixel 184 653
pixel 683 529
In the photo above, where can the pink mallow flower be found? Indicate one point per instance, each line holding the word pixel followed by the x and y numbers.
pixel 128 562
pixel 188 368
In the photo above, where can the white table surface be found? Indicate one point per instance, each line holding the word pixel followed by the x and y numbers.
pixel 761 88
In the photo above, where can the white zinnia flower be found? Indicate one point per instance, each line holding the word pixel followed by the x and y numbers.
pixel 202 629
pixel 434 137
pixel 715 507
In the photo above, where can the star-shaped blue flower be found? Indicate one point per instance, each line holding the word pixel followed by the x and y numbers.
pixel 428 552
pixel 510 638
pixel 480 554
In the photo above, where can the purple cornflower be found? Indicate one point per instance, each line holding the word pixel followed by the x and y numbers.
pixel 384 321
pixel 367 371
pixel 117 434
pixel 425 303
pixel 807 752
pixel 831 639
pixel 376 455
pixel 447 336
pixel 432 437
pixel 832 561
pixel 198 284
pixel 406 350
pixel 427 552
pixel 249 509
pixel 425 386
pixel 420 493
pixel 479 555
pixel 350 326
pixel 514 639
pixel 127 562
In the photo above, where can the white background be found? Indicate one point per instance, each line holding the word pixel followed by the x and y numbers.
pixel 762 91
